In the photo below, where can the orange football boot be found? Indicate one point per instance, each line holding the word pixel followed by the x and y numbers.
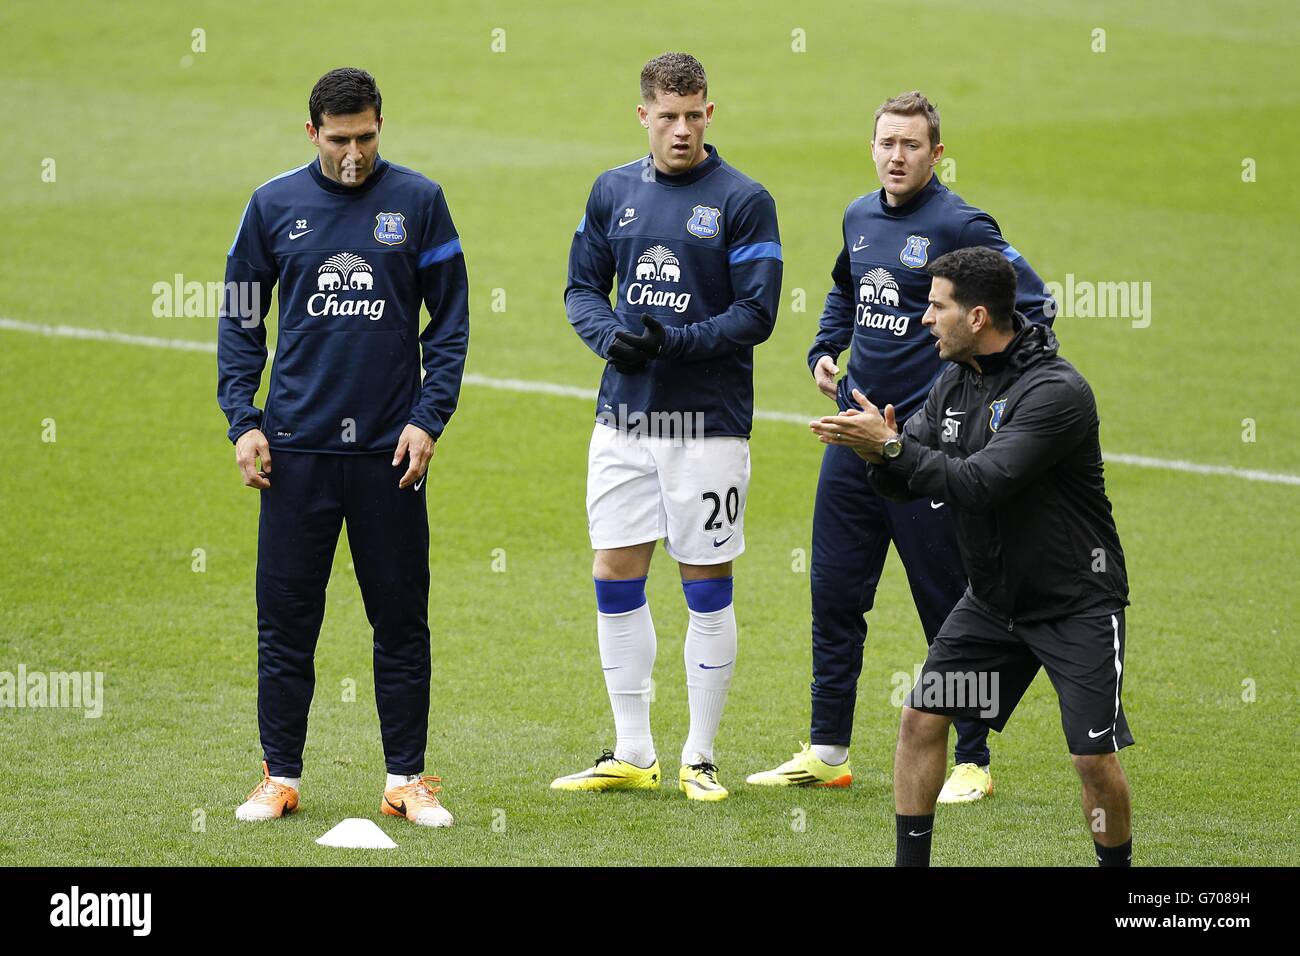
pixel 268 800
pixel 417 802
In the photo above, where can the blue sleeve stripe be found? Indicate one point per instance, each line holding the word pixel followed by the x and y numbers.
pixel 757 250
pixel 242 220
pixel 290 172
pixel 440 253
pixel 582 225
pixel 1011 252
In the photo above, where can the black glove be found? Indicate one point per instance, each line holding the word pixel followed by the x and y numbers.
pixel 630 353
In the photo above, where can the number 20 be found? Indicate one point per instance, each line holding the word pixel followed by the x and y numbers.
pixel 733 508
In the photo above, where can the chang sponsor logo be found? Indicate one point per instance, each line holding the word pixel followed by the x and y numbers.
pixel 337 280
pixel 657 264
pixel 878 288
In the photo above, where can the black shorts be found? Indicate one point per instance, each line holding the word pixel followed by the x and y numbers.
pixel 979 668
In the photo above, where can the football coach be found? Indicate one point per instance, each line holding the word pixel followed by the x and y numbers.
pixel 356 245
pixel 1008 436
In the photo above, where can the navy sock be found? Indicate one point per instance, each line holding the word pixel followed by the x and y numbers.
pixel 912 846
pixel 1121 855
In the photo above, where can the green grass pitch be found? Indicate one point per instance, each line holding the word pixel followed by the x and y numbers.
pixel 1128 164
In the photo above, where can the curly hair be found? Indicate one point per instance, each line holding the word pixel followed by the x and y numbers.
pixel 678 73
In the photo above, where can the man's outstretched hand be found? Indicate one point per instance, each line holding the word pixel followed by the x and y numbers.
pixel 864 431
pixel 630 352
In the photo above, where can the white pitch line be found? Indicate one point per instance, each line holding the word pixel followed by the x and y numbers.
pixel 570 391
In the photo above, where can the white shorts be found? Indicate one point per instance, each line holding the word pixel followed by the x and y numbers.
pixel 691 493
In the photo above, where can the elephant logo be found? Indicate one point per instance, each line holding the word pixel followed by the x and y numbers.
pixel 658 262
pixel 878 286
pixel 344 271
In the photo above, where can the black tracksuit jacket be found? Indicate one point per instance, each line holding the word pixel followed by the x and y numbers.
pixel 1014 451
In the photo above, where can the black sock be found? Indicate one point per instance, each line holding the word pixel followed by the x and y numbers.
pixel 1121 855
pixel 912 836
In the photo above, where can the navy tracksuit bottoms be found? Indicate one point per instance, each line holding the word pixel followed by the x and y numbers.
pixel 310 497
pixel 852 529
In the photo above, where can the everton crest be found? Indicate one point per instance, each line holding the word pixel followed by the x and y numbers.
pixel 390 228
pixel 704 222
pixel 915 252
pixel 995 413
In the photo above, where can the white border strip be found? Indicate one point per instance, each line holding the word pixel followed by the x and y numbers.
pixel 569 391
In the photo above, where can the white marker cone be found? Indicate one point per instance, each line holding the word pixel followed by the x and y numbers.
pixel 357 834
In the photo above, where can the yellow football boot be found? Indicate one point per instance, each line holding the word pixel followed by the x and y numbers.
pixel 969 782
pixel 699 781
pixel 805 769
pixel 610 773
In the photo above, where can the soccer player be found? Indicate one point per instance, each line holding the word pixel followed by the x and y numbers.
pixel 875 308
pixel 356 244
pixel 694 247
pixel 1008 439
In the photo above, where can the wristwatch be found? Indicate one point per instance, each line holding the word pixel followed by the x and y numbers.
pixel 892 448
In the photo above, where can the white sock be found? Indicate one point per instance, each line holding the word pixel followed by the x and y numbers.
pixel 832 754
pixel 400 780
pixel 710 656
pixel 627 656
pixel 294 782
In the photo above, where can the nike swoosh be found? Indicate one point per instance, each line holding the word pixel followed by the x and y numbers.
pixel 295 235
pixel 421 481
pixel 624 222
pixel 921 834
pixel 949 412
pixel 614 668
pixel 714 667
pixel 936 505
pixel 856 247
pixel 399 807
pixel 1102 734
pixel 718 544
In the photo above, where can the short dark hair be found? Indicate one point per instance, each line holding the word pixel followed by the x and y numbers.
pixel 678 73
pixel 911 104
pixel 980 276
pixel 343 91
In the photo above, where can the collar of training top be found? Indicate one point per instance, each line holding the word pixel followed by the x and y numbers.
pixel 696 173
pixel 324 182
pixel 1032 341
pixel 922 197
